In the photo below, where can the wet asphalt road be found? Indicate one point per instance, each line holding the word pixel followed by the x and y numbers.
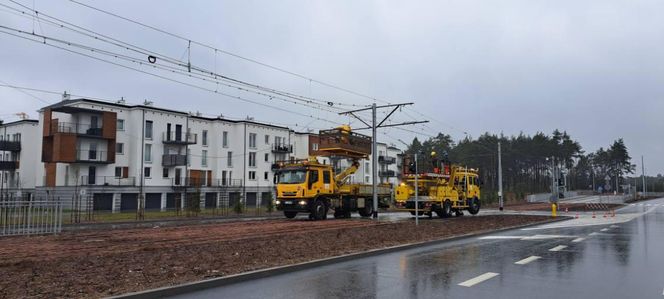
pixel 621 260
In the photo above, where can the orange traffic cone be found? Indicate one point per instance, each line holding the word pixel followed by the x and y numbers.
pixel 566 210
pixel 577 215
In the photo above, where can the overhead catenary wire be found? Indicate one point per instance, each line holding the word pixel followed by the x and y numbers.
pixel 173 80
pixel 59 23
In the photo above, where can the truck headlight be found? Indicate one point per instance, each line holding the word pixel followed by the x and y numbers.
pixel 303 203
pixel 276 202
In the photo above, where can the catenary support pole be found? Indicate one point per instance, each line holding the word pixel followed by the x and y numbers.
pixel 374 162
pixel 417 202
pixel 643 176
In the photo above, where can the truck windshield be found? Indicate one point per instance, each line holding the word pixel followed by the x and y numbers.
pixel 292 176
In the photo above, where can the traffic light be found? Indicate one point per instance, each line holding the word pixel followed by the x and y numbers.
pixel 411 167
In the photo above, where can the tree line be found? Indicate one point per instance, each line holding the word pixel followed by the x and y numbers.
pixel 527 161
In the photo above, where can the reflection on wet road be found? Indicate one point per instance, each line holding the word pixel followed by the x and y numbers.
pixel 622 260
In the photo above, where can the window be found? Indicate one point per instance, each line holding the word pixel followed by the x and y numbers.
pixel 120 125
pixel 314 146
pixel 267 157
pixel 277 140
pixel 204 158
pixel 148 153
pixel 165 173
pixel 252 159
pixel 205 141
pixel 252 175
pixel 148 129
pixel 17 137
pixel 118 172
pixel 326 177
pixel 229 159
pixel 367 168
pixel 265 176
pixel 366 180
pixel 267 139
pixel 223 178
pixel 252 140
pixel 119 148
pixel 146 172
pixel 224 139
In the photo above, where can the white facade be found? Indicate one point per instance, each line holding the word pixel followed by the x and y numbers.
pixel 23 133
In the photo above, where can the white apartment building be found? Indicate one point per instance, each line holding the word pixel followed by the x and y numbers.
pixel 17 155
pixel 108 154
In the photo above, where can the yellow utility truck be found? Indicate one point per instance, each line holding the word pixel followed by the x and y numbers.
pixel 313 187
pixel 447 190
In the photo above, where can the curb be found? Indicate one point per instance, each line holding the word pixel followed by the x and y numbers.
pixel 245 276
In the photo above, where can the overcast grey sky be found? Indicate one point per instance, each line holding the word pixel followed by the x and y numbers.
pixel 592 68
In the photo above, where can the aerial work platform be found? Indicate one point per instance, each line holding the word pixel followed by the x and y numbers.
pixel 342 141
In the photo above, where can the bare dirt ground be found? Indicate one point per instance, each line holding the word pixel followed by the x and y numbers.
pixel 104 263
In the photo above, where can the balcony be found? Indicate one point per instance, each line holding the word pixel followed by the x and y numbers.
pixel 229 182
pixel 387 173
pixel 107 181
pixel 181 138
pixel 10 146
pixel 84 130
pixel 171 160
pixel 92 156
pixel 9 165
pixel 386 160
pixel 282 148
pixel 189 182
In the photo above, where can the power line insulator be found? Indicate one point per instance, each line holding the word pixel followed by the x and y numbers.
pixel 152 59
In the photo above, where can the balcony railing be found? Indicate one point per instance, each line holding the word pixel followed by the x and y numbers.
pixel 387 160
pixel 10 146
pixel 9 165
pixel 182 138
pixel 92 156
pixel 282 148
pixel 387 173
pixel 77 128
pixel 229 182
pixel 170 160
pixel 107 181
pixel 183 182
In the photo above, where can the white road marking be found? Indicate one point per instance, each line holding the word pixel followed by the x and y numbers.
pixel 604 229
pixel 558 248
pixel 525 238
pixel 499 237
pixel 577 240
pixel 631 204
pixel 473 281
pixel 614 226
pixel 528 260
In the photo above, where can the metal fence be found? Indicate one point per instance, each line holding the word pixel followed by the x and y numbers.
pixel 30 217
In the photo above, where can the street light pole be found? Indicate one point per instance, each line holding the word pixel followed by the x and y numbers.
pixel 500 179
pixel 417 202
pixel 374 160
pixel 643 176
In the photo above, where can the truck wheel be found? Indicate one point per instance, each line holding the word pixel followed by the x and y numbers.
pixel 418 212
pixel 318 212
pixel 447 208
pixel 474 206
pixel 367 211
pixel 290 215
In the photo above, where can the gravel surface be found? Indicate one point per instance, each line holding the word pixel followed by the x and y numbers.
pixel 98 264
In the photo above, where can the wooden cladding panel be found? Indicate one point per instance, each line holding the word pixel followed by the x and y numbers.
pixel 50 170
pixel 109 123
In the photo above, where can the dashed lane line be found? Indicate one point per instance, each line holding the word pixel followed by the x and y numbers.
pixel 577 240
pixel 558 248
pixel 528 260
pixel 473 281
